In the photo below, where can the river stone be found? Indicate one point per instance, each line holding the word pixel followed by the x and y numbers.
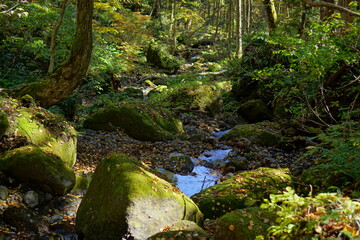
pixel 202 98
pixel 262 133
pixel 244 224
pixel 124 200
pixel 179 163
pixel 31 198
pixel 158 56
pixel 139 120
pixel 41 128
pixel 245 189
pixel 4 192
pixel 255 110
pixel 31 165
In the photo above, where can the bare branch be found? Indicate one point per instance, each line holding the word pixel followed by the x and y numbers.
pixel 331 5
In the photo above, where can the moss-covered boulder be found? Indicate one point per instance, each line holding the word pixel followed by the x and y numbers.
pixel 42 128
pixel 139 120
pixel 181 230
pixel 262 133
pixel 246 189
pixel 244 224
pixel 255 111
pixel 4 123
pixel 201 97
pixel 124 200
pixel 158 56
pixel 44 170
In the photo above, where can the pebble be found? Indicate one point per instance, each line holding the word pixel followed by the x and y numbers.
pixel 4 192
pixel 55 219
pixel 31 198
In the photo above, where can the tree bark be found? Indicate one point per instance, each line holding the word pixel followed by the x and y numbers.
pixel 331 5
pixel 67 78
pixel 57 26
pixel 239 47
pixel 271 14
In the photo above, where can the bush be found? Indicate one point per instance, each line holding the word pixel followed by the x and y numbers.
pixel 327 215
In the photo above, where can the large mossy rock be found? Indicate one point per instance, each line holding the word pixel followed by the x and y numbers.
pixel 139 120
pixel 32 165
pixel 4 123
pixel 202 98
pixel 244 224
pixel 262 133
pixel 41 128
pixel 158 56
pixel 246 189
pixel 255 111
pixel 125 201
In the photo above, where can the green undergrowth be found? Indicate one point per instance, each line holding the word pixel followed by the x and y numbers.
pixel 327 215
pixel 337 158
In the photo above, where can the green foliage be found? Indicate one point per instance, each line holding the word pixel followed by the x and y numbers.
pixel 312 60
pixel 340 151
pixel 25 42
pixel 327 215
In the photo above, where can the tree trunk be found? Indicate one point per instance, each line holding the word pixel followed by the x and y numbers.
pixel 57 26
pixel 239 48
pixel 271 14
pixel 66 79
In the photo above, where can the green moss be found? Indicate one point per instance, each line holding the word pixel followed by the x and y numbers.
pixel 31 165
pixel 255 111
pixel 139 121
pixel 246 189
pixel 4 123
pixel 81 184
pixel 244 224
pixel 160 57
pixel 62 144
pixel 123 198
pixel 262 133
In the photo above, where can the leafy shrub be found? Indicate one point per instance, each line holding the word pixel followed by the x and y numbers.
pixel 339 154
pixel 327 215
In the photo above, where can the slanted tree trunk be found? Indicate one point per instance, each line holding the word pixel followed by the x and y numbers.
pixel 57 86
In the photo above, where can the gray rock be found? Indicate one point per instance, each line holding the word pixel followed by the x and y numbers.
pixel 179 163
pixel 32 165
pixel 124 201
pixel 31 198
pixel 4 192
pixel 55 219
pixel 238 164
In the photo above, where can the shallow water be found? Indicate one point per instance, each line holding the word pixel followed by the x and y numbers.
pixel 201 177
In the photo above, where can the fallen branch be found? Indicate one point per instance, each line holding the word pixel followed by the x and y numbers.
pixel 331 5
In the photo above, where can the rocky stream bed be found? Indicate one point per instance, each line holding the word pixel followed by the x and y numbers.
pixel 45 216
